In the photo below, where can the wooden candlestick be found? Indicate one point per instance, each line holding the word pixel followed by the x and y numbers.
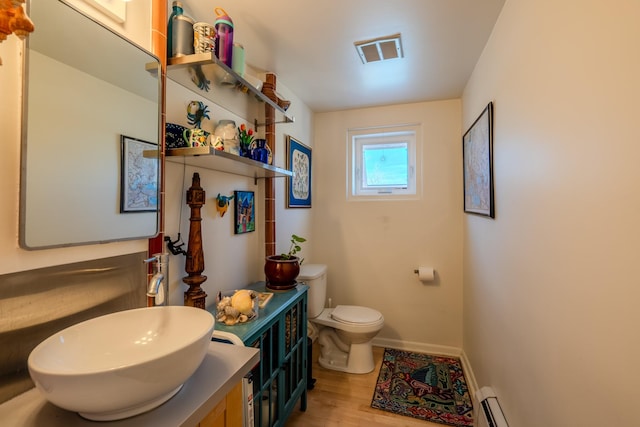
pixel 194 265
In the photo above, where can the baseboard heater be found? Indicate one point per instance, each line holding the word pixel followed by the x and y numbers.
pixel 489 412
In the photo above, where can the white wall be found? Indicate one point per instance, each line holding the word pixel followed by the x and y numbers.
pixel 12 257
pixel 372 248
pixel 551 285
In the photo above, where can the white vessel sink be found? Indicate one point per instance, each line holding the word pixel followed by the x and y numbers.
pixel 124 363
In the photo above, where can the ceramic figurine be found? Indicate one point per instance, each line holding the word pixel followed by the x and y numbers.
pixel 13 20
pixel 222 204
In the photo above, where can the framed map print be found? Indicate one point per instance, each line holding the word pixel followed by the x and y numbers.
pixel 138 176
pixel 477 159
pixel 299 185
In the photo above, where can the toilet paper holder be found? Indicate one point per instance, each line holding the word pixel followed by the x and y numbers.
pixel 417 271
pixel 425 274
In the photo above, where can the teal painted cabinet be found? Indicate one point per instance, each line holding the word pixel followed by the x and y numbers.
pixel 280 332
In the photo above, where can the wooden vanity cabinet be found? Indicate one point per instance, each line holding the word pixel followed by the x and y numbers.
pixel 227 413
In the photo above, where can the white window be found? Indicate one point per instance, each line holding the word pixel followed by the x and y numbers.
pixel 383 163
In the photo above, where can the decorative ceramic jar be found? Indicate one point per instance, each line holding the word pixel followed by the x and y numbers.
pixel 227 132
pixel 260 151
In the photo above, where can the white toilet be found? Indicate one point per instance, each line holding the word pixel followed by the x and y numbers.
pixel 346 331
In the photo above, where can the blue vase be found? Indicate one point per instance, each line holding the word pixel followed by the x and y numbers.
pixel 256 148
pixel 263 154
pixel 244 149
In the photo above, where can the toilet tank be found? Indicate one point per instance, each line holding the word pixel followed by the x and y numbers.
pixel 315 276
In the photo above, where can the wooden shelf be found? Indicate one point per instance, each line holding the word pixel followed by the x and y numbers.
pixel 224 86
pixel 209 158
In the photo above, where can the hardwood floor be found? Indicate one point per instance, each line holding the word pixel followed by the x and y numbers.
pixel 344 400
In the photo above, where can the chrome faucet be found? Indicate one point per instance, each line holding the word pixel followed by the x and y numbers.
pixel 160 278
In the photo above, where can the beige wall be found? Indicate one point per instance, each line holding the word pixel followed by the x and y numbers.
pixel 551 285
pixel 372 248
pixel 12 257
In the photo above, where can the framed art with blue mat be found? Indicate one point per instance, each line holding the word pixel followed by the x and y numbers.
pixel 245 212
pixel 428 387
pixel 299 185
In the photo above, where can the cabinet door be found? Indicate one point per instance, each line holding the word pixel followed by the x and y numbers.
pixel 215 418
pixel 293 378
pixel 265 386
pixel 280 379
pixel 227 413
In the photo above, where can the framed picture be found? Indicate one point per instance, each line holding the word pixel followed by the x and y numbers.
pixel 477 154
pixel 138 175
pixel 245 212
pixel 299 185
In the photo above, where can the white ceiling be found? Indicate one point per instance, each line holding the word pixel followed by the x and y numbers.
pixel 309 45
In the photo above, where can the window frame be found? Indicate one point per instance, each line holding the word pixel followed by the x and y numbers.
pixel 358 138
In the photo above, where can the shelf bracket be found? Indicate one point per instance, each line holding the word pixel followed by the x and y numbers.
pixel 257 125
pixel 256 178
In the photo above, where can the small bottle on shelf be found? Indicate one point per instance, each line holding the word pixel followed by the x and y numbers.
pixel 224 37
pixel 179 32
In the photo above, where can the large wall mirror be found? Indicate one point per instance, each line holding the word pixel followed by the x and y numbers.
pixel 90 133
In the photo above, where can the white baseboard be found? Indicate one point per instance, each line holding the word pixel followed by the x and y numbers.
pixel 434 349
pixel 469 376
pixel 417 347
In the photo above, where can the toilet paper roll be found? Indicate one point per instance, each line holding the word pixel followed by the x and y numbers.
pixel 426 274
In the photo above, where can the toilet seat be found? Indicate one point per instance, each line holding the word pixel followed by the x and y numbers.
pixel 355 315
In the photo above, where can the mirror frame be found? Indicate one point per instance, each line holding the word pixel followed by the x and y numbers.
pixel 105 233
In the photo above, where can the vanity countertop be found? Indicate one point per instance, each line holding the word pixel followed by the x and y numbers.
pixel 223 367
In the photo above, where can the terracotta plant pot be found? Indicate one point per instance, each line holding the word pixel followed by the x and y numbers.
pixel 281 273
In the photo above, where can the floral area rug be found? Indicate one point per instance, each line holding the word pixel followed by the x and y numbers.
pixel 428 387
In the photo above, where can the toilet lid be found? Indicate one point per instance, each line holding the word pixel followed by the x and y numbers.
pixel 355 314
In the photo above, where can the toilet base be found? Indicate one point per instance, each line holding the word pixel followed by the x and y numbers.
pixel 359 360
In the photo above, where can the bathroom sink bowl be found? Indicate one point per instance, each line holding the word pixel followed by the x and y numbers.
pixel 121 364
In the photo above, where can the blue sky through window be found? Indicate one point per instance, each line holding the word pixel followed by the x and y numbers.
pixel 385 165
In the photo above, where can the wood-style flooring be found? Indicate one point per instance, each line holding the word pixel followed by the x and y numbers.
pixel 344 400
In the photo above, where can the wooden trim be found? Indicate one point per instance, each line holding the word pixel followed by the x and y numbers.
pixel 269 183
pixel 159 48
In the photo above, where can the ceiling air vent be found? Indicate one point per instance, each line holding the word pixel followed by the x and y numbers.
pixel 380 49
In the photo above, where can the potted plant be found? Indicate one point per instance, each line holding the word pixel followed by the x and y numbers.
pixel 282 270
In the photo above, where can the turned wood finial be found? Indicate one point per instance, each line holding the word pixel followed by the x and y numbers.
pixel 194 264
